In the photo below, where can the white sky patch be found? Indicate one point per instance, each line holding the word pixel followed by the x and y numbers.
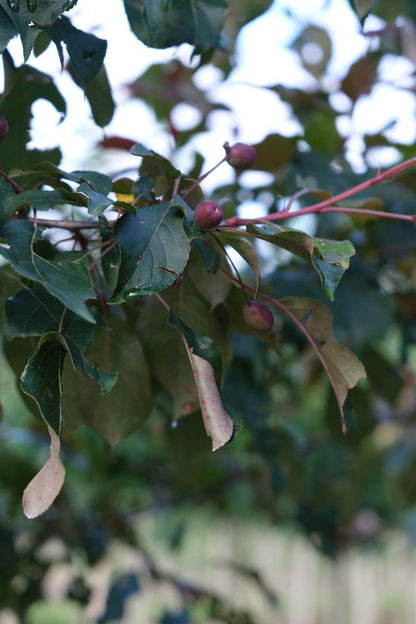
pixel 263 58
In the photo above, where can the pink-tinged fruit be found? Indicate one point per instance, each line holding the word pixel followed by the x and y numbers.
pixel 241 156
pixel 258 316
pixel 207 215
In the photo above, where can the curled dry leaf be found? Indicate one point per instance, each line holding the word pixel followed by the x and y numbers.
pixel 46 485
pixel 217 422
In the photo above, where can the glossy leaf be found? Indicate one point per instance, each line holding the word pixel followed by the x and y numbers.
pixel 67 281
pixel 329 258
pixel 46 485
pixel 154 250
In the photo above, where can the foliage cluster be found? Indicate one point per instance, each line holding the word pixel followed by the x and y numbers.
pixel 134 319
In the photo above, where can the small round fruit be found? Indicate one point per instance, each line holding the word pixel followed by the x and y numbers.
pixel 4 128
pixel 208 214
pixel 258 315
pixel 241 156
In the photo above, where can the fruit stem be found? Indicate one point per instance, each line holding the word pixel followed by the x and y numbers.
pixel 202 177
pixel 240 281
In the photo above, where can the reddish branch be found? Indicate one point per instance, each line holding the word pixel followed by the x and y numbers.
pixel 328 205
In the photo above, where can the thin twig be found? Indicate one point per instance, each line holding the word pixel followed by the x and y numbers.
pixel 66 225
pixel 16 188
pixel 240 281
pixel 205 175
pixel 328 204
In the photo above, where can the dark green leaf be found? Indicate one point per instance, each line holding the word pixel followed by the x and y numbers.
pixel 86 51
pixel 24 86
pixel 123 410
pixel 214 288
pixel 45 14
pixel 163 346
pixel 7 29
pixel 98 93
pixel 67 281
pixel 156 160
pixel 33 312
pixel 39 200
pixel 160 24
pixel 41 380
pixel 154 250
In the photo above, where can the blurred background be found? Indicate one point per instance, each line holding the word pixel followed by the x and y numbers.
pixel 292 523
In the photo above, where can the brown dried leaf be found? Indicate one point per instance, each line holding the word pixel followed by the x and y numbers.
pixel 46 485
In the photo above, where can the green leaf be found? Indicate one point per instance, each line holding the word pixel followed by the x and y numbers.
pixel 95 186
pixel 86 51
pixel 161 24
pixel 45 14
pixel 205 360
pixel 329 258
pixel 214 288
pixel 6 195
pixel 162 346
pixel 155 160
pixel 67 281
pixel 154 250
pixel 246 251
pixel 122 411
pixel 343 368
pixel 41 380
pixel 7 29
pixel 99 96
pixel 209 256
pixel 274 153
pixel 24 86
pixel 201 345
pixel 33 312
pixel 39 200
